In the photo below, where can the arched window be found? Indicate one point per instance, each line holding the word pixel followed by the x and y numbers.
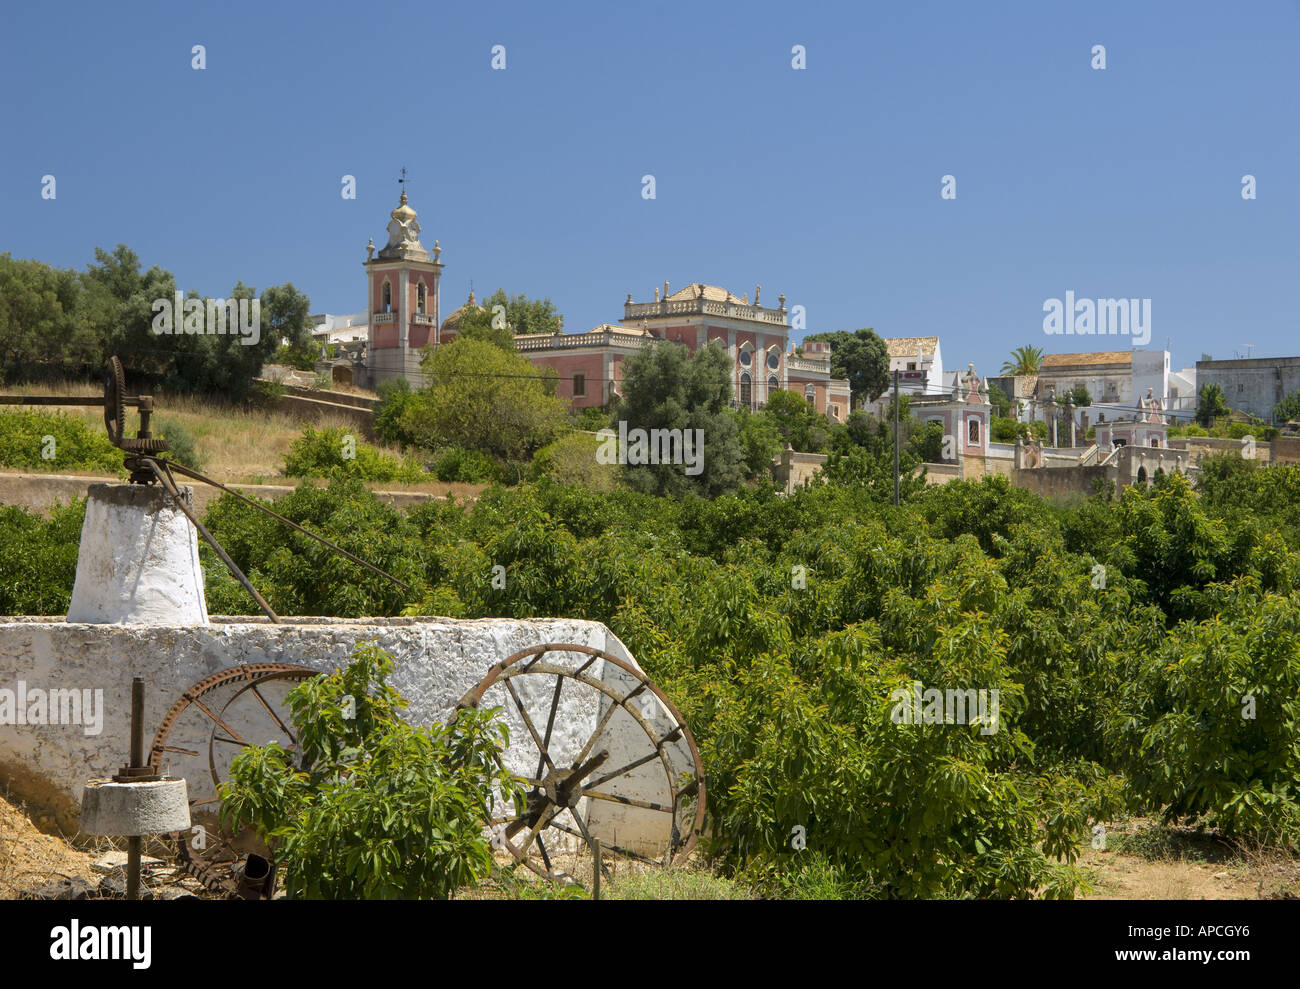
pixel 746 389
pixel 1142 475
pixel 973 431
pixel 386 304
pixel 772 383
pixel 421 297
pixel 810 393
pixel 746 355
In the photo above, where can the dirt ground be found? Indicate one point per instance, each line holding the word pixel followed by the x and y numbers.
pixel 1141 861
pixel 30 858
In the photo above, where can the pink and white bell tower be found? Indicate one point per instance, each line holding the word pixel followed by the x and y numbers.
pixel 402 286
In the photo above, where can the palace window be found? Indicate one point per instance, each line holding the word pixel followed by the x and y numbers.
pixel 421 297
pixel 386 305
pixel 773 359
pixel 579 385
pixel 973 431
pixel 745 356
pixel 746 390
pixel 772 383
pixel 810 393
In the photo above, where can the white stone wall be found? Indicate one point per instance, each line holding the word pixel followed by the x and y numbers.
pixel 436 662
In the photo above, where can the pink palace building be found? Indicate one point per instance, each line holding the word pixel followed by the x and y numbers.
pixel 403 291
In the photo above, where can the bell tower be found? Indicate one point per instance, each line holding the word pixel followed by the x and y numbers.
pixel 402 288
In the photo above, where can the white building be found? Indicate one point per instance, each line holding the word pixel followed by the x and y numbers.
pixel 919 363
pixel 1115 381
pixel 340 329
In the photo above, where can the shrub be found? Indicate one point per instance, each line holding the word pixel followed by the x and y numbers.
pixel 379 809
pixel 38 558
pixel 467 466
pixel 180 442
pixel 325 453
pixel 51 441
pixel 395 396
pixel 572 460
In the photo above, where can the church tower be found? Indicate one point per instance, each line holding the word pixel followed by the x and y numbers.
pixel 402 283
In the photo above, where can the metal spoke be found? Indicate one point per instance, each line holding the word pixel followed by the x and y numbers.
pixel 274 714
pixel 209 712
pixel 600 727
pixel 532 729
pixel 543 820
pixel 541 846
pixel 629 801
pixel 625 769
pixel 550 723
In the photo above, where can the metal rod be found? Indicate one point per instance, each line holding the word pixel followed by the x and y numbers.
pixel 48 400
pixel 595 883
pixel 137 723
pixel 175 494
pixel 190 472
pixel 133 843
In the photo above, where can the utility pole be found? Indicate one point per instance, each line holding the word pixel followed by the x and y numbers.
pixel 896 402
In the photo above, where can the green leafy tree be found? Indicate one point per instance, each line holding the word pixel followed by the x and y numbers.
pixel 1210 403
pixel 1288 409
pixel 797 422
pixel 1082 397
pixel 665 387
pixel 1024 360
pixel 1002 405
pixel 861 357
pixel 483 398
pixel 525 315
pixel 41 319
pixel 482 324
pixel 760 440
pixel 377 809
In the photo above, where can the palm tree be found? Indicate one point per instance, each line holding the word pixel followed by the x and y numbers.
pixel 1024 360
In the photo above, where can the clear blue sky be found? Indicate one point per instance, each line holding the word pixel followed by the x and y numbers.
pixel 823 184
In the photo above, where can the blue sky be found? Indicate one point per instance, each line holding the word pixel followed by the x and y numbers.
pixel 822 184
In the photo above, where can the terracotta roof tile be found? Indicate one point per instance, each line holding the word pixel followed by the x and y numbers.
pixel 906 346
pixel 1075 360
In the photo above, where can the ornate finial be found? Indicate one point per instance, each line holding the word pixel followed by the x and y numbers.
pixel 781 299
pixel 757 289
pixel 629 299
pixel 370 250
pixel 665 289
pixel 437 252
pixel 656 295
pixel 744 299
pixel 402 183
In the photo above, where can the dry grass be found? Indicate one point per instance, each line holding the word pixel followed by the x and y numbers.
pixel 235 446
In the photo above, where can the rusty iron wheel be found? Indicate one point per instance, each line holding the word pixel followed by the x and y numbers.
pixel 115 401
pixel 198 739
pixel 575 793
